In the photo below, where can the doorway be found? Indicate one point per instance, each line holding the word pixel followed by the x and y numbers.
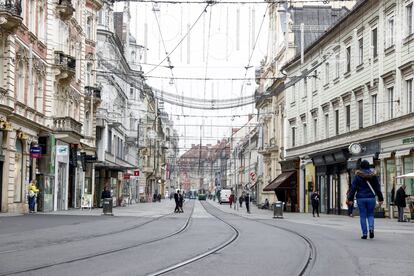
pixel 61 193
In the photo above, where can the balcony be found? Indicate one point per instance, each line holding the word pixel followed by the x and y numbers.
pixel 131 136
pixel 65 9
pixel 66 65
pixel 93 91
pixel 67 129
pixel 10 19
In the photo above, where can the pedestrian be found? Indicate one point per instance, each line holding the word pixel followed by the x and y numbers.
pixel 350 206
pixel 159 197
pixel 315 198
pixel 33 190
pixel 106 193
pixel 176 199
pixel 241 200
pixel 400 202
pixel 247 202
pixel 180 202
pixel 266 204
pixel 366 186
pixel 231 199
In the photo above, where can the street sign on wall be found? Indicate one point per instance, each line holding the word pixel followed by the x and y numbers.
pixel 136 173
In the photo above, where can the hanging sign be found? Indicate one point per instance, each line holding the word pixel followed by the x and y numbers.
pixel 136 173
pixel 36 152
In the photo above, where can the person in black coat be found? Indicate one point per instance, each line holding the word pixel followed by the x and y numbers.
pixel 400 202
pixel 106 193
pixel 176 199
pixel 247 202
pixel 315 198
pixel 180 202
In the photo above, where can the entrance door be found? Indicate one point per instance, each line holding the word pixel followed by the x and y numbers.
pixel 322 179
pixel 71 190
pixel 61 193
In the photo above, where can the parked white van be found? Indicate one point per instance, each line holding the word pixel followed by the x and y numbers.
pixel 225 196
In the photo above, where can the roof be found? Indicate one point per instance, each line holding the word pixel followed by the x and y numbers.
pixel 329 31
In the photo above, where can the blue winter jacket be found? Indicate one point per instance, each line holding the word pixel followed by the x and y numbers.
pixel 361 188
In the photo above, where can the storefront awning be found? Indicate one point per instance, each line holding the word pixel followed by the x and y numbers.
pixel 282 181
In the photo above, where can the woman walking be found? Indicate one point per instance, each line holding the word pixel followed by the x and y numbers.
pixel 366 186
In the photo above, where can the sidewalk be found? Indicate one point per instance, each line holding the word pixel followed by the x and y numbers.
pixel 152 209
pixel 329 221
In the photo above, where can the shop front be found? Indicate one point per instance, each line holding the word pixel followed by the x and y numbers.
pixel 397 158
pixel 332 180
pixel 285 185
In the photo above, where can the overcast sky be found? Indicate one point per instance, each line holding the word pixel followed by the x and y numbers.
pixel 215 49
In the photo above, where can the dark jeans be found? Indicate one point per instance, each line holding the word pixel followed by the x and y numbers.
pixel 248 207
pixel 350 209
pixel 315 208
pixel 32 202
pixel 400 213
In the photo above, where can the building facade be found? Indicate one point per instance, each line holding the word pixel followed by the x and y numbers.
pixel 354 87
pixel 292 27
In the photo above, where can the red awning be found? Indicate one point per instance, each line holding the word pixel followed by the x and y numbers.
pixel 282 181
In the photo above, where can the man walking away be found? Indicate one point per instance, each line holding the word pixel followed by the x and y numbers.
pixel 366 186
pixel 180 202
pixel 400 202
pixel 241 200
pixel 315 198
pixel 176 199
pixel 247 202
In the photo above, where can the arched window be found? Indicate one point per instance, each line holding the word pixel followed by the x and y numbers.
pixel 89 80
pixel 18 172
pixel 89 28
pixel 20 82
pixel 40 20
pixel 87 124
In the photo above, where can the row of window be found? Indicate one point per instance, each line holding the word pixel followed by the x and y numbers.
pixel 116 146
pixel 389 42
pixel 35 91
pixel 373 105
pixel 33 14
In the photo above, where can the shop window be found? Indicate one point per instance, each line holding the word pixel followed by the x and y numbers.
pixel 409 168
pixel 390 178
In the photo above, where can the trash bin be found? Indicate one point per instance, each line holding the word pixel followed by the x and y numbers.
pixel 278 209
pixel 107 206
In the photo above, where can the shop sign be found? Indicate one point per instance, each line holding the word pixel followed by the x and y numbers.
pixel 35 152
pixel 136 173
pixel 409 140
pixel 127 176
pixel 62 150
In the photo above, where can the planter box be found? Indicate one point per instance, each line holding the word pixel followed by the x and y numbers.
pixel 379 214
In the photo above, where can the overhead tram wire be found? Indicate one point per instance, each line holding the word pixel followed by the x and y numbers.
pixel 254 47
pixel 181 40
pixel 230 2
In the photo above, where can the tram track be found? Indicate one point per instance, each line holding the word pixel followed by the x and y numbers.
pixel 312 255
pixel 198 257
pixel 183 228
pixel 94 236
